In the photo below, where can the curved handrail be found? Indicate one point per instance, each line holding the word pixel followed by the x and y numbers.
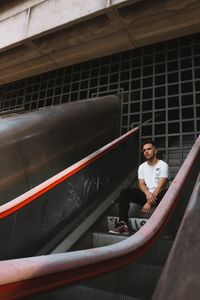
pixel 184 255
pixel 26 276
pixel 29 196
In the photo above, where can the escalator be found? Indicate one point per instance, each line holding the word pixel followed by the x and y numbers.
pixel 113 267
pixel 138 279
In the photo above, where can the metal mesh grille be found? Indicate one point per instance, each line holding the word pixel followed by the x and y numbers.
pixel 161 78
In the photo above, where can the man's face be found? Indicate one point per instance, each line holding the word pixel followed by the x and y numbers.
pixel 149 151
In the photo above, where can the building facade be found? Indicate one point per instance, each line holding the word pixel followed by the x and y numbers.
pixel 158 81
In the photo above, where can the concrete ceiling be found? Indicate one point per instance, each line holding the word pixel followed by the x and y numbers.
pixel 116 28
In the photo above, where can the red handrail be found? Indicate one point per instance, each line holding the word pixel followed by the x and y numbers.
pixel 24 277
pixel 31 195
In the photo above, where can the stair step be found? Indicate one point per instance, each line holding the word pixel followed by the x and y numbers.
pixel 135 211
pixel 135 223
pixel 79 292
pixel 85 293
pixel 101 239
pixel 134 279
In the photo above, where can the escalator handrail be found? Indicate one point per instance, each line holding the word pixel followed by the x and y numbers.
pixel 27 276
pixel 184 256
pixel 29 196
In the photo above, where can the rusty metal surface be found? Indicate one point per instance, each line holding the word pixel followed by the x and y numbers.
pixel 67 268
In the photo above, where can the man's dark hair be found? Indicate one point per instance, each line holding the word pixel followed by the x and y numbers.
pixel 148 141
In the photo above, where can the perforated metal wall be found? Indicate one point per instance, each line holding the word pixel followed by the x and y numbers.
pixel 161 78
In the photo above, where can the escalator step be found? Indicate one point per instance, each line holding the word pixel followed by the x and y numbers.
pixel 134 279
pixel 133 282
pixel 87 293
pixel 136 223
pixel 105 239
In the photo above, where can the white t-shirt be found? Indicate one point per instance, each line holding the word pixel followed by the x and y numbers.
pixel 151 174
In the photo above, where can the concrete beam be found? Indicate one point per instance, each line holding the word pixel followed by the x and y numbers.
pixel 38 17
pixel 42 35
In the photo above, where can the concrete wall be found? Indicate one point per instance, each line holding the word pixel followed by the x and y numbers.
pixel 37 36
pixel 25 19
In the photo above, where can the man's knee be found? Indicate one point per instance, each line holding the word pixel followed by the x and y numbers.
pixel 128 193
pixel 123 193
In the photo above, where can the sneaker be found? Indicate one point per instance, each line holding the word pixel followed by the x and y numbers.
pixel 121 228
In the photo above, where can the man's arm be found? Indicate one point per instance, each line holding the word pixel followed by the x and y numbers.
pixel 151 198
pixel 161 185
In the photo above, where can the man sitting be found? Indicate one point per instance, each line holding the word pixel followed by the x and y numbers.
pixel 153 176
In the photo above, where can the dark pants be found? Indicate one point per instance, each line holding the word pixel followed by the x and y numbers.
pixel 133 195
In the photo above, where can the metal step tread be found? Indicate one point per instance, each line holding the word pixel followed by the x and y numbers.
pixel 101 239
pixel 79 292
pixel 135 222
pixel 136 279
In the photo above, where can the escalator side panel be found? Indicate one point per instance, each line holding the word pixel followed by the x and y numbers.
pixel 36 145
pixel 64 203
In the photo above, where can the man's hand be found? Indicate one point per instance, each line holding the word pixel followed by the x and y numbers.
pixel 151 199
pixel 146 208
